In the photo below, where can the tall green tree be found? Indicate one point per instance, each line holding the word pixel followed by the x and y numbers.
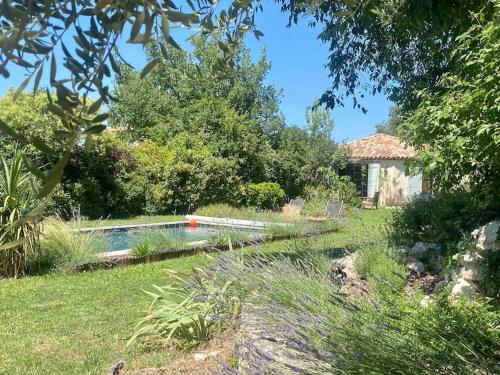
pixel 29 115
pixel 392 124
pixel 234 111
pixel 309 156
pixel 457 130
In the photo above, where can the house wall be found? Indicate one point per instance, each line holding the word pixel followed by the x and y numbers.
pixel 394 184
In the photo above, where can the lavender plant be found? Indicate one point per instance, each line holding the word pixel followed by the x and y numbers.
pixel 321 328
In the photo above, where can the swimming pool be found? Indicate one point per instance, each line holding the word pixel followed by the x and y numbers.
pixel 122 238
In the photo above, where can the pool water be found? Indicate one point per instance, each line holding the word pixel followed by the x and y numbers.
pixel 123 238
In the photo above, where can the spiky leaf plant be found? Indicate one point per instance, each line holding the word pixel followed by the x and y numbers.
pixel 18 234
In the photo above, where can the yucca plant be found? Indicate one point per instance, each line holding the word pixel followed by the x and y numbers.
pixel 18 236
pixel 188 311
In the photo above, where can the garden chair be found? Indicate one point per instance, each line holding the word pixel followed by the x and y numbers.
pixel 333 208
pixel 294 207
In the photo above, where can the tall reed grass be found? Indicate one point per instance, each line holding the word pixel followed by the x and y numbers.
pixel 63 248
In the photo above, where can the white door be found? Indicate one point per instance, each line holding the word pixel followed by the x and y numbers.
pixel 373 179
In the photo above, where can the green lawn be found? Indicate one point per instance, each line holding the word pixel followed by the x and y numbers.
pixel 127 221
pixel 79 323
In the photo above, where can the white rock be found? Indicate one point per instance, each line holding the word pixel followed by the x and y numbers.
pixel 473 268
pixel 486 236
pixel 422 248
pixel 202 356
pixel 456 273
pixel 469 258
pixel 473 273
pixel 463 288
pixel 416 266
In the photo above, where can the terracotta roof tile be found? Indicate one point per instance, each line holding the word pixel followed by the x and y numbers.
pixel 380 146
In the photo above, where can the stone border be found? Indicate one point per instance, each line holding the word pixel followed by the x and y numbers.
pixel 226 221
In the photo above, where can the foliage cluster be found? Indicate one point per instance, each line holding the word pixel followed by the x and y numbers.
pixel 235 115
pixel 400 47
pixel 443 218
pixel 457 129
pixel 184 137
pixel 231 237
pixel 265 195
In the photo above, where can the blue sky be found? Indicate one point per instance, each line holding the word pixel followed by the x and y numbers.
pixel 298 60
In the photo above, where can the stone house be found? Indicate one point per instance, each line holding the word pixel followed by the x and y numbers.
pixel 378 166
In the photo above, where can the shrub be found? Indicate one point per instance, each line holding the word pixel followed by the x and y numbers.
pixel 315 200
pixel 18 241
pixel 443 218
pixel 63 248
pixel 345 190
pixel 189 310
pixel 151 241
pixel 265 195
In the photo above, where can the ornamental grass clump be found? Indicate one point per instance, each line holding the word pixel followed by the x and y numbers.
pixel 152 241
pixel 300 227
pixel 192 308
pixel 63 248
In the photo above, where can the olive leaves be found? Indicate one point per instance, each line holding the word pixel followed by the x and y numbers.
pixel 73 45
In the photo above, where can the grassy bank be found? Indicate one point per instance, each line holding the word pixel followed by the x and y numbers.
pixel 79 323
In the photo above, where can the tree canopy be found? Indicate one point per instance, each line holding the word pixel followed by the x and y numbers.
pixel 34 35
pixel 394 47
pixel 457 130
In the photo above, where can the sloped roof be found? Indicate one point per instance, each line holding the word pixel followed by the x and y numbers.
pixel 380 146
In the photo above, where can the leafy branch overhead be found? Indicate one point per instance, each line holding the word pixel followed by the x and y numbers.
pixel 73 43
pixel 392 47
